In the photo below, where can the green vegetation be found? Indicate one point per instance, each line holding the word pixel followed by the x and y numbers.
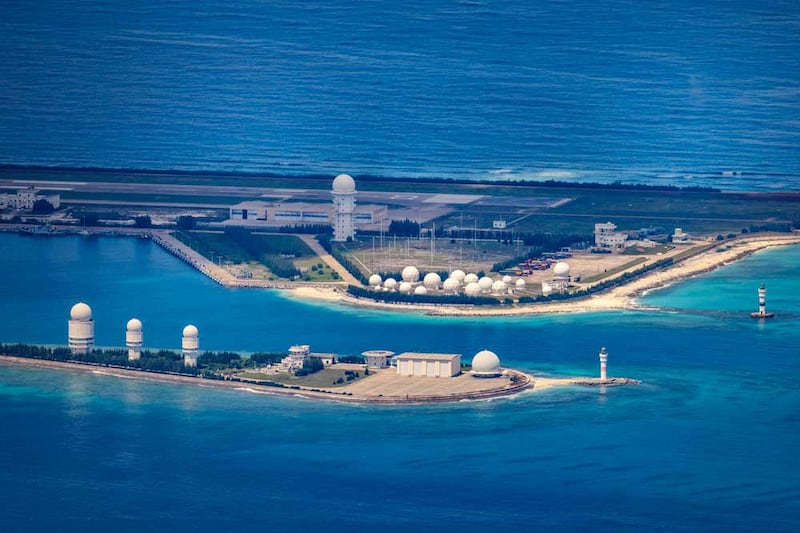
pixel 404 228
pixel 611 272
pixel 325 378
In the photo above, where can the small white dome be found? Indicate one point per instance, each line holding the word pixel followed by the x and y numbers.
pixel 405 287
pixel 485 283
pixel 190 331
pixel 432 280
pixel 472 289
pixel 375 280
pixel 458 275
pixel 520 283
pixel 80 311
pixel 486 362
pixel 451 284
pixel 420 290
pixel 344 183
pixel 390 284
pixel 410 274
pixel 507 279
pixel 470 278
pixel 546 288
pixel 498 286
pixel 561 270
pixel 134 324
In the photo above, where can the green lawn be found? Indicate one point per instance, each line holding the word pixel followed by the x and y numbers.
pixel 325 378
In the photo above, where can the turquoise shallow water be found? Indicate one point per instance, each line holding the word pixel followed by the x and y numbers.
pixel 708 441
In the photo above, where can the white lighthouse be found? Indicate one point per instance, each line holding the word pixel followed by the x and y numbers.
pixel 190 346
pixel 133 339
pixel 81 328
pixel 762 304
pixel 603 361
pixel 344 205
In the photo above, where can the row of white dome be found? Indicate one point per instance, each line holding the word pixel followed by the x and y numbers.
pixel 433 281
pixel 81 312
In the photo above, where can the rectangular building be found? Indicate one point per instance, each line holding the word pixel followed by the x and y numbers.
pixel 432 365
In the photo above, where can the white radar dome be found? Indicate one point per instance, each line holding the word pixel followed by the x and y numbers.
pixel 80 311
pixel 470 278
pixel 420 290
pixel 498 286
pixel 485 283
pixel 390 284
pixel 432 280
pixel 507 280
pixel 375 280
pixel 472 289
pixel 190 331
pixel 405 287
pixel 410 274
pixel 344 183
pixel 134 324
pixel 458 275
pixel 451 284
pixel 520 283
pixel 486 362
pixel 561 269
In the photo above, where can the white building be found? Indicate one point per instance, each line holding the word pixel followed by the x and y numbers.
pixel 344 204
pixel 81 329
pixel 133 339
pixel 607 237
pixel 25 198
pixel 679 236
pixel 378 358
pixel 190 346
pixel 432 365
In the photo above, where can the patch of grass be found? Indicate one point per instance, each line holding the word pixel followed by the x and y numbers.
pixel 325 378
pixel 611 272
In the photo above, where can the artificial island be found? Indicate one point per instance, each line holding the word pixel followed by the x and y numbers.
pixel 374 376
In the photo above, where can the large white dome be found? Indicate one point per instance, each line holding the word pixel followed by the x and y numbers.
pixel 390 284
pixel 375 280
pixel 420 289
pixel 498 286
pixel 561 270
pixel 451 284
pixel 507 279
pixel 520 283
pixel 472 289
pixel 344 183
pixel 190 331
pixel 470 278
pixel 134 324
pixel 410 274
pixel 80 311
pixel 405 287
pixel 458 275
pixel 432 280
pixel 486 362
pixel 485 283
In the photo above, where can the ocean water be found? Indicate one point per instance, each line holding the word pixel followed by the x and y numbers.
pixel 682 92
pixel 709 441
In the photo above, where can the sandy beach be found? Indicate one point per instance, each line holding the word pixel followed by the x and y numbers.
pixel 621 297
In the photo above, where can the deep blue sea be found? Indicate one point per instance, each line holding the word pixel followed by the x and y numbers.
pixel 709 441
pixel 682 92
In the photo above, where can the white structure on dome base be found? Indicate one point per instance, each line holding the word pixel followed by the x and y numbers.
pixel 486 364
pixel 432 365
pixel 378 358
pixel 603 362
pixel 344 205
pixel 190 346
pixel 81 329
pixel 133 339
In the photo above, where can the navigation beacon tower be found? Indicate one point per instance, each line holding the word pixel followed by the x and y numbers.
pixel 344 205
pixel 81 328
pixel 133 339
pixel 190 346
pixel 762 304
pixel 603 362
